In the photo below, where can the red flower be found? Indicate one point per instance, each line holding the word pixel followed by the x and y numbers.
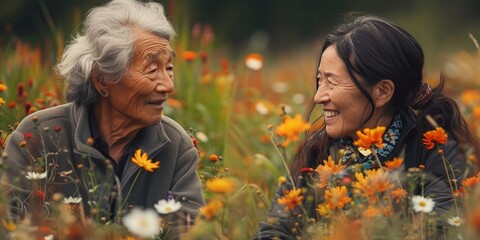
pixel 58 128
pixel 27 135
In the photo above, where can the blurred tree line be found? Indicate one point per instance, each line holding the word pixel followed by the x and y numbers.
pixel 263 25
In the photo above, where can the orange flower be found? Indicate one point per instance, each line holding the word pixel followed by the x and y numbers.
pixel 141 159
pixel 3 87
pixel 399 194
pixel 291 199
pixel 370 137
pixel 437 136
pixel 220 185
pixel 323 209
pixel 291 128
pixel 371 212
pixel 189 56
pixel 211 209
pixel 2 102
pixel 470 182
pixel 393 164
pixel 336 197
pixel 327 170
pixel 374 181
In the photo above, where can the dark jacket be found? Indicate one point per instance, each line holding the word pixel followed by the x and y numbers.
pixel 60 134
pixel 415 154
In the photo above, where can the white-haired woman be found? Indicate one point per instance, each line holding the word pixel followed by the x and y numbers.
pixel 119 73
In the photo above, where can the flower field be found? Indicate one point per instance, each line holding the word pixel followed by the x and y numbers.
pixel 245 117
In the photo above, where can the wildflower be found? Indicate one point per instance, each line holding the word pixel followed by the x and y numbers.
pixel 213 158
pixel 9 225
pixel 220 185
pixel 57 128
pixel 143 223
pixel 164 207
pixel 90 141
pixel 211 209
pixel 282 180
pixel 470 182
pixel 422 204
pixel 27 135
pixel 49 237
pixel 291 128
pixel 291 199
pixel 254 61
pixel 2 101
pixel 393 164
pixel 35 175
pixel 189 56
pixel 3 87
pixel 371 212
pixel 72 200
pixel 11 104
pixel 374 181
pixel 336 197
pixel 323 209
pixel 370 137
pixel 201 136
pixel 399 194
pixel 437 136
pixel 455 221
pixel 141 159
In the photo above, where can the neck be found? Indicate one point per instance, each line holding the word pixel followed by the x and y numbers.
pixel 115 128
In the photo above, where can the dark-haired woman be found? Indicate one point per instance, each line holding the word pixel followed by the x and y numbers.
pixel 369 75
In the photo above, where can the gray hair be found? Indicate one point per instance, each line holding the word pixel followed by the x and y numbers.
pixel 107 45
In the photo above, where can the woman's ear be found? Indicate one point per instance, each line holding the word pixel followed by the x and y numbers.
pixel 383 92
pixel 99 84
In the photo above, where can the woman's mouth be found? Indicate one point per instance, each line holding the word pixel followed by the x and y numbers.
pixel 330 113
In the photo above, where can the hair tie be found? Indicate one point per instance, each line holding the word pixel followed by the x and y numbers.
pixel 423 96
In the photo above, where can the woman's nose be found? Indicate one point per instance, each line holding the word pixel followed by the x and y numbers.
pixel 165 83
pixel 321 96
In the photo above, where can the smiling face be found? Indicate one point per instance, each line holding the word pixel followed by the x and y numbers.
pixel 345 107
pixel 148 80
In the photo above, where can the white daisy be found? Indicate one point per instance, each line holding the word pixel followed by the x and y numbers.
pixel 72 200
pixel 143 223
pixel 169 206
pixel 49 237
pixel 455 221
pixel 422 204
pixel 35 175
pixel 261 108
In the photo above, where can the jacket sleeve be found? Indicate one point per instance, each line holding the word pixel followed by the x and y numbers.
pixel 279 223
pixel 186 188
pixel 439 184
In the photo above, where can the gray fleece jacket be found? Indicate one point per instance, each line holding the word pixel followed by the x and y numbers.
pixel 59 136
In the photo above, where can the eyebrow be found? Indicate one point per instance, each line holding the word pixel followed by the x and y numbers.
pixel 150 57
pixel 327 74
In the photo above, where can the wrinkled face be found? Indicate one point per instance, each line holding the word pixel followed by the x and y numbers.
pixel 143 91
pixel 344 106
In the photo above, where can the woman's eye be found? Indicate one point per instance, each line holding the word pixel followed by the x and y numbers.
pixel 152 70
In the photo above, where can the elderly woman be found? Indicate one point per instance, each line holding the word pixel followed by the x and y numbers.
pixel 119 74
pixel 369 75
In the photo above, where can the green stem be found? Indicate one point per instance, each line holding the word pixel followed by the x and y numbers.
pixel 119 215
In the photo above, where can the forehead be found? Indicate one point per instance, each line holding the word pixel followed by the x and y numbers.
pixel 149 46
pixel 331 61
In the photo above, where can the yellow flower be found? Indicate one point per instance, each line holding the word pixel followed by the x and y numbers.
pixel 291 199
pixel 437 136
pixel 336 197
pixel 220 185
pixel 211 209
pixel 399 194
pixel 393 164
pixel 2 101
pixel 291 128
pixel 3 87
pixel 369 137
pixel 323 210
pixel 9 225
pixel 141 159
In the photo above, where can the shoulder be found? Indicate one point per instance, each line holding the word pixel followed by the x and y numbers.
pixel 46 117
pixel 174 131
